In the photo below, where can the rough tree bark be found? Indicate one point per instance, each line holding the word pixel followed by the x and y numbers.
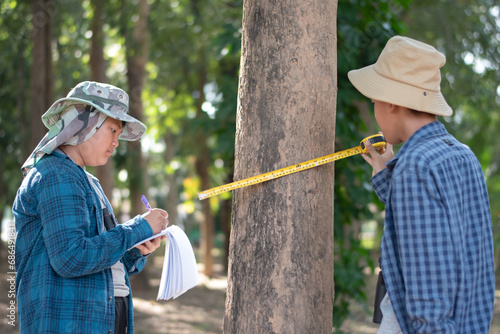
pixel 281 251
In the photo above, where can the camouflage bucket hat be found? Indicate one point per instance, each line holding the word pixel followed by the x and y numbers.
pixel 109 100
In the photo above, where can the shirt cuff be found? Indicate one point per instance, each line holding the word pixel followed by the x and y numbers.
pixel 138 229
pixel 380 184
pixel 132 258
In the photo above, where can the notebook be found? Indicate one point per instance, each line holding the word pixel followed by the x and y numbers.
pixel 180 272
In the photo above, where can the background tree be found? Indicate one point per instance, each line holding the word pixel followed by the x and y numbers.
pixel 188 47
pixel 137 53
pixel 98 73
pixel 137 44
pixel 203 158
pixel 281 250
pixel 41 79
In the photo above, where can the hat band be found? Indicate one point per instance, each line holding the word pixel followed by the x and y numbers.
pixel 101 99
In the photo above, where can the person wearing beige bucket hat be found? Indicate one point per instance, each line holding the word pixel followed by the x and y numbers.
pixel 73 261
pixel 437 247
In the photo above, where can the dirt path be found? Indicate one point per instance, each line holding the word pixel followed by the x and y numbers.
pixel 199 310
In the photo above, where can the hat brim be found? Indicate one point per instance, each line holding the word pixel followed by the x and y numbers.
pixel 134 129
pixel 375 86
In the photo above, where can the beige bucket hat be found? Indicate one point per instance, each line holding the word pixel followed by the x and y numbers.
pixel 407 73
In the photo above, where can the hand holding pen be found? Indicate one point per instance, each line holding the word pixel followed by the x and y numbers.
pixel 157 218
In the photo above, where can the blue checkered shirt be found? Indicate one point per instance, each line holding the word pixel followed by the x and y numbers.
pixel 437 247
pixel 64 255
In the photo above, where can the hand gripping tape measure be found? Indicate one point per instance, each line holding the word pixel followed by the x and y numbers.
pixel 378 142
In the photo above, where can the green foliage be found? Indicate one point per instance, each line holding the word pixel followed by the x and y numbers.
pixel 349 276
pixel 363 29
pixel 195 59
pixel 15 67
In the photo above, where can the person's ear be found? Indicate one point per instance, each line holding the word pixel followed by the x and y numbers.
pixel 392 108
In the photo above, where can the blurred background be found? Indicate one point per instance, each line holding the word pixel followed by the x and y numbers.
pixel 179 62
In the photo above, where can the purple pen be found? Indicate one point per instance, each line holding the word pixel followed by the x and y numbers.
pixel 146 203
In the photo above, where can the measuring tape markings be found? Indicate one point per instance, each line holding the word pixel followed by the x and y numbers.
pixel 377 141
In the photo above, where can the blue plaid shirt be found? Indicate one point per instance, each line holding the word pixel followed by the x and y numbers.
pixel 437 247
pixel 63 254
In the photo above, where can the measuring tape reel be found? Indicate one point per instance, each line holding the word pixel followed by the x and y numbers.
pixel 378 142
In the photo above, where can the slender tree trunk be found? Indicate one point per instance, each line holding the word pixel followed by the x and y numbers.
pixel 98 70
pixel 203 160
pixel 23 114
pixel 97 62
pixel 202 164
pixel 137 55
pixel 41 74
pixel 281 251
pixel 206 220
pixel 173 195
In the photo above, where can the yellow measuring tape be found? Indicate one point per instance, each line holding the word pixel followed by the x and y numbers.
pixel 378 142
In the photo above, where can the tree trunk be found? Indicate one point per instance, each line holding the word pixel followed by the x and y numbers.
pixel 206 220
pixel 202 164
pixel 41 75
pixel 172 200
pixel 281 251
pixel 203 159
pixel 137 54
pixel 98 70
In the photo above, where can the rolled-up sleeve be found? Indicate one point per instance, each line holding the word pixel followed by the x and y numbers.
pixel 380 184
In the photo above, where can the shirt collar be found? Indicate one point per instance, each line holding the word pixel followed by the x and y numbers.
pixel 60 154
pixel 427 131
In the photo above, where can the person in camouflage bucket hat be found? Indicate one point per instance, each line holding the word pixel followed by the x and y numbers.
pixel 73 260
pixel 109 100
pixel 77 117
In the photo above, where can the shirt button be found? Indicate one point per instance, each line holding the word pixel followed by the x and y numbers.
pixel 110 331
pixel 110 298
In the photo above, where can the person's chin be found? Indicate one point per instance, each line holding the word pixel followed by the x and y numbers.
pixel 102 162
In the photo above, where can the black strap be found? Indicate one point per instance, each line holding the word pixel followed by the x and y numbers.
pixel 379 295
